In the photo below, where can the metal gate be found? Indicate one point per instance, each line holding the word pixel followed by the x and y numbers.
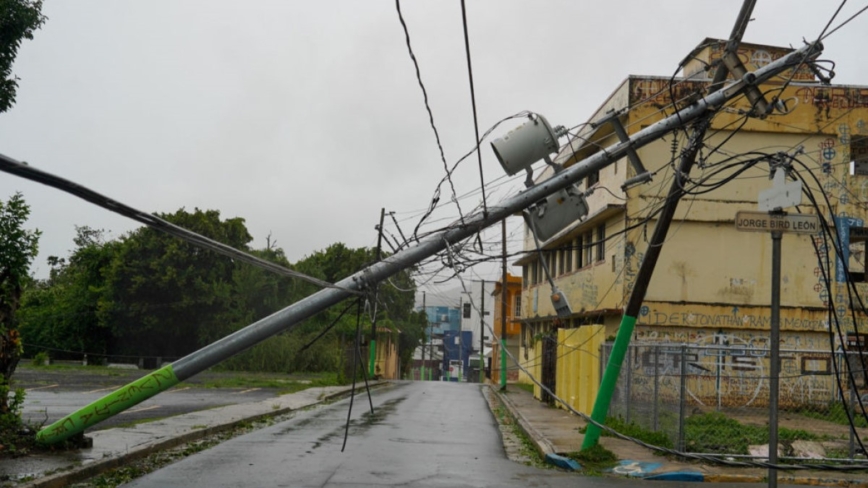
pixel 549 366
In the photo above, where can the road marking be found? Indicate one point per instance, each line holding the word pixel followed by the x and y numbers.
pixel 140 409
pixel 43 387
pixel 104 389
pixel 176 391
pixel 246 391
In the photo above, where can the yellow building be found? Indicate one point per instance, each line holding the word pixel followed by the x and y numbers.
pixel 513 326
pixel 712 284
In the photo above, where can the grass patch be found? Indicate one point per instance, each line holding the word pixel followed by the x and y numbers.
pixel 527 450
pixel 594 460
pixel 525 387
pixel 837 413
pixel 281 383
pixel 714 432
pixel 632 429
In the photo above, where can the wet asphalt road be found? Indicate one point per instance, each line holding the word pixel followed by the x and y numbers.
pixel 423 434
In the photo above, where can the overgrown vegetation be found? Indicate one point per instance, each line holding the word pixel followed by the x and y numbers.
pixel 18 247
pixel 634 430
pixel 16 438
pixel 714 432
pixel 837 413
pixel 147 294
pixel 283 385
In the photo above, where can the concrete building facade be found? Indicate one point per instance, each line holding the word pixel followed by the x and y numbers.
pixel 712 283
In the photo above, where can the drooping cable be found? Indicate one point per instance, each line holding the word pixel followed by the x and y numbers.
pixel 330 327
pixel 428 109
pixel 473 103
pixel 355 364
pixel 842 24
pixel 26 171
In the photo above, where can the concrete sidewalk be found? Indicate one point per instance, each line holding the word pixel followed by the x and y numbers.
pixel 117 446
pixel 555 430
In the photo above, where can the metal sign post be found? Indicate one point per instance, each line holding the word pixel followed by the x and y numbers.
pixel 776 222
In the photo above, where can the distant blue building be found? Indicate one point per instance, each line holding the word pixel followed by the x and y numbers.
pixel 441 319
pixel 457 346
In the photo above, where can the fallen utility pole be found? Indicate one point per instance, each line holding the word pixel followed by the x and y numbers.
pixel 365 280
pixel 655 245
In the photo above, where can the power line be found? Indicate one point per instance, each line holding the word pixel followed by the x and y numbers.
pixel 26 171
pixel 430 114
pixel 473 102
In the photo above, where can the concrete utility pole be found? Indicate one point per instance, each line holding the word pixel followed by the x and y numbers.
pixel 655 245
pixel 482 332
pixel 424 337
pixel 503 297
pixel 372 344
pixel 365 280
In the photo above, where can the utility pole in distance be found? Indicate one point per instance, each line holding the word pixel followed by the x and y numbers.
pixel 372 344
pixel 503 297
pixel 424 334
pixel 482 333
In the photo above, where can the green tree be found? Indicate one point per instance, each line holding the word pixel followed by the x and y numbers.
pixel 18 247
pixel 18 20
pixel 61 312
pixel 162 294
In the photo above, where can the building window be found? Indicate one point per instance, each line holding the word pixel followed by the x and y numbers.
pixel 601 242
pixel 516 300
pixel 858 155
pixel 524 275
pixel 858 247
pixel 534 273
pixel 568 255
pixel 561 261
pixel 589 248
pixel 580 252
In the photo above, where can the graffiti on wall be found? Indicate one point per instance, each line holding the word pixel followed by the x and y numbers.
pixel 658 92
pixel 729 369
pixel 832 97
pixel 735 319
pixel 632 260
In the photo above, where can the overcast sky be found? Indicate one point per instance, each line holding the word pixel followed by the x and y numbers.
pixel 305 118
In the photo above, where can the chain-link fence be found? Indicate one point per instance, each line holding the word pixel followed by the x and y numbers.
pixel 714 400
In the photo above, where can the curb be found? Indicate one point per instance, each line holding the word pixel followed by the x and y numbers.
pixel 543 446
pixel 546 449
pixel 80 473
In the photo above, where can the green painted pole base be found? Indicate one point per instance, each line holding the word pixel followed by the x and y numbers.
pixel 373 361
pixel 109 405
pixel 610 379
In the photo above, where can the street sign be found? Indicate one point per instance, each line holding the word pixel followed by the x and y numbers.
pixel 765 222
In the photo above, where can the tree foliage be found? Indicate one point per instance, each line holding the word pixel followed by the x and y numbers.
pixel 61 312
pixel 18 20
pixel 148 294
pixel 162 294
pixel 18 247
